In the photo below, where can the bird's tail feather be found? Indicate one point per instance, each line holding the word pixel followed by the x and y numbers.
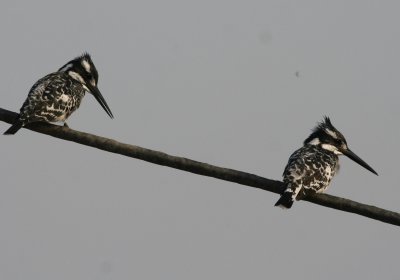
pixel 14 128
pixel 286 200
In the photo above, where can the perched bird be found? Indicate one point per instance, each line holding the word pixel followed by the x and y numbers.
pixel 311 168
pixel 56 96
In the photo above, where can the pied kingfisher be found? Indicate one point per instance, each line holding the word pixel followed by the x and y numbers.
pixel 312 167
pixel 56 96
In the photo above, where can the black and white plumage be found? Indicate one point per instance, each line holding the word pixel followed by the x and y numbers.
pixel 311 168
pixel 56 96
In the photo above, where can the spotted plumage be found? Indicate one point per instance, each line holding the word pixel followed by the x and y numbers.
pixel 311 168
pixel 56 96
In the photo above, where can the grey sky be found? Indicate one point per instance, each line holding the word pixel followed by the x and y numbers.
pixel 214 81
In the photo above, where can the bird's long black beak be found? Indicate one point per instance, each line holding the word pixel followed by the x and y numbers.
pixel 97 94
pixel 357 159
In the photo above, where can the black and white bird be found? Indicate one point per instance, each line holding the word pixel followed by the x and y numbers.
pixel 56 96
pixel 311 168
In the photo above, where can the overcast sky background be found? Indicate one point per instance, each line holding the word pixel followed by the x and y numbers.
pixel 213 81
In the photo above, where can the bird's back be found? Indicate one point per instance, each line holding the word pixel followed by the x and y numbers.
pixel 52 98
pixel 311 168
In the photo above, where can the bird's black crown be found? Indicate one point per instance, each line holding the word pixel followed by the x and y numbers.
pixel 326 133
pixel 84 67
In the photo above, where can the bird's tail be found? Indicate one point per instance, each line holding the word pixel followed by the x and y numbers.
pixel 286 200
pixel 14 128
pixel 289 196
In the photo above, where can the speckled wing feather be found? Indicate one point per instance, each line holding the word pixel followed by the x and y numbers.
pixel 51 99
pixel 309 169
